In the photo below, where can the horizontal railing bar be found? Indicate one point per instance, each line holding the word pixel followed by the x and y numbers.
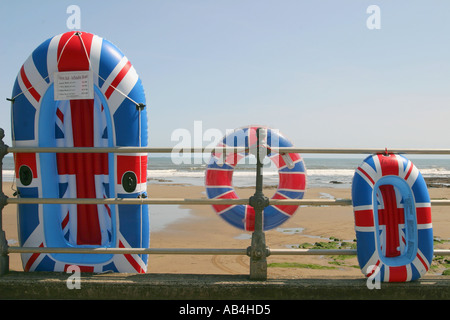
pixel 196 251
pixel 182 201
pixel 120 150
pixel 440 202
pixel 193 251
pixel 168 201
pixel 361 150
pixel 220 149
pixel 311 202
pixel 334 202
pixel 441 252
pixel 302 252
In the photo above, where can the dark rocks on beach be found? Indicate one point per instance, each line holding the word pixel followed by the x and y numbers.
pixel 438 182
pixel 159 180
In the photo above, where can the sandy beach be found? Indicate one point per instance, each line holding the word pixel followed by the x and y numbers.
pixel 203 228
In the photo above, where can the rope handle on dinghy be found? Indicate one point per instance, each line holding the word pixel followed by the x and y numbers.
pixel 90 68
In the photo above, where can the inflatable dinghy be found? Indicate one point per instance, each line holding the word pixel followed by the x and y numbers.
pixel 79 90
pixel 392 219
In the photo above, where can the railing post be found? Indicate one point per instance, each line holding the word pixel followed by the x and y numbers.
pixel 4 258
pixel 258 251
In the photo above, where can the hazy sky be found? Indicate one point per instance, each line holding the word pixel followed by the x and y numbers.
pixel 312 69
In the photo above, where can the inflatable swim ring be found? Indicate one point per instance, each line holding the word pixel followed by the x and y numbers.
pixel 392 218
pixel 219 174
pixel 113 116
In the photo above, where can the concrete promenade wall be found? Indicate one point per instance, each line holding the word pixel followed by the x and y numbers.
pixel 44 285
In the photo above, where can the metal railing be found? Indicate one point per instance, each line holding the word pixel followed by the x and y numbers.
pixel 258 251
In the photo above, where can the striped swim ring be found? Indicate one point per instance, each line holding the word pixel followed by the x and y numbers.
pixel 113 117
pixel 219 175
pixel 392 213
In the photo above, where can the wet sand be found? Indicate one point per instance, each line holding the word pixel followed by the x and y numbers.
pixel 203 228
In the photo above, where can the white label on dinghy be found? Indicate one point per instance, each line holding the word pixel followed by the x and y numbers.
pixel 73 85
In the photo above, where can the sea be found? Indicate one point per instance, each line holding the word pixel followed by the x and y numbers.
pixel 329 171
pixel 321 170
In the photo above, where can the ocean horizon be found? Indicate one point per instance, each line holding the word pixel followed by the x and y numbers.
pixel 321 170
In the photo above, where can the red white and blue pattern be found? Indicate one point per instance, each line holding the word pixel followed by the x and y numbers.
pixel 392 233
pixel 110 119
pixel 219 174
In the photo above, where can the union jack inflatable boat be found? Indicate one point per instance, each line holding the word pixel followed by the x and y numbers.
pixel 111 118
pixel 392 219
pixel 219 175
